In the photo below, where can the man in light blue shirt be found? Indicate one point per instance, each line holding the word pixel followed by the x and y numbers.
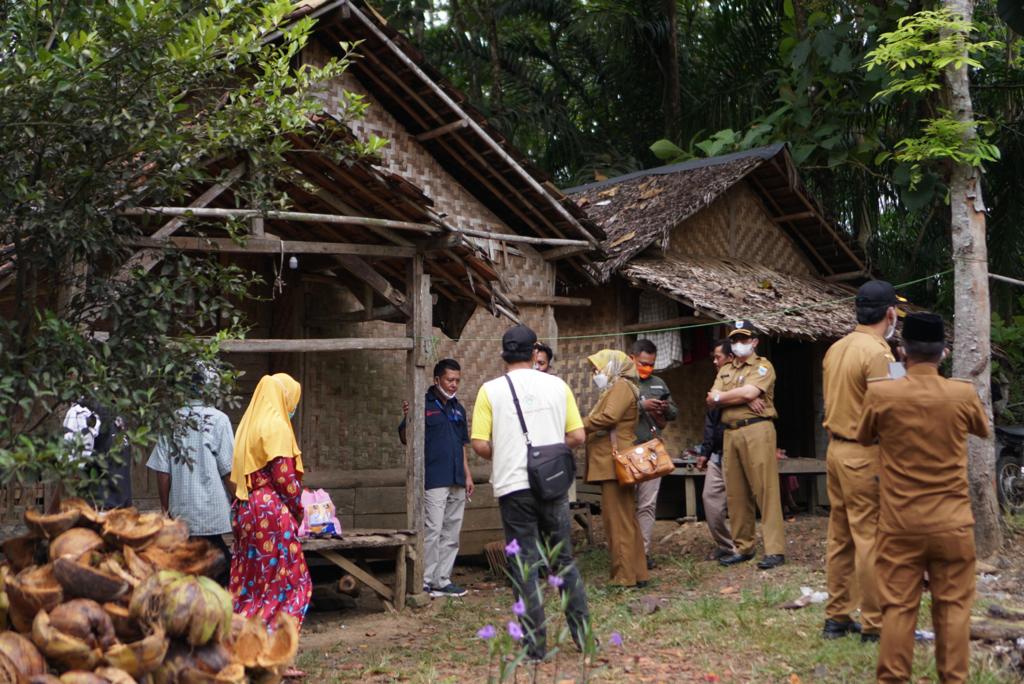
pixel 192 469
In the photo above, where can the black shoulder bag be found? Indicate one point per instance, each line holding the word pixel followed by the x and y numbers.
pixel 550 467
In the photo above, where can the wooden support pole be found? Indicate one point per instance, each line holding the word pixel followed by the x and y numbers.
pixel 268 246
pixel 283 346
pixel 417 358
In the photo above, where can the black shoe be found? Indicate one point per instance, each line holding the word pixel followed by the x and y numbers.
pixel 837 629
pixel 735 558
pixel 773 561
pixel 650 563
pixel 642 584
pixel 870 638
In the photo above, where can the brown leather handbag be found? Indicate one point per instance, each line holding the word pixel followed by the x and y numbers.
pixel 642 462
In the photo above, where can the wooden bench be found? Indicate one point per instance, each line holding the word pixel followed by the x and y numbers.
pixel 396 541
pixel 813 467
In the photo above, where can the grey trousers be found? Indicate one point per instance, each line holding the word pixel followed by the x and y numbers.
pixel 646 503
pixel 715 507
pixel 443 508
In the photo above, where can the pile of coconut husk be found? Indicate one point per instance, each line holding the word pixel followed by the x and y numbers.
pixel 88 597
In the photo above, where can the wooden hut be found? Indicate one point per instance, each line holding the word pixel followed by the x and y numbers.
pixel 449 235
pixel 695 245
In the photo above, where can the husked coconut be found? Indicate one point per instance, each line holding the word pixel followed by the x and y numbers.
pixel 23 653
pixel 31 590
pixel 62 650
pixel 85 620
pixel 141 657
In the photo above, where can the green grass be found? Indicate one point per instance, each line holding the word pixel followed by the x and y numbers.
pixel 724 621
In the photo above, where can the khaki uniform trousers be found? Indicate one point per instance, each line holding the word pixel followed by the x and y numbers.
pixel 752 478
pixel 901 562
pixel 625 543
pixel 852 525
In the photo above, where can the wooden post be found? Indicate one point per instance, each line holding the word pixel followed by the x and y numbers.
pixel 418 328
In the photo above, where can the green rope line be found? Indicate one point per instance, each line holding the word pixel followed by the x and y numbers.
pixel 778 312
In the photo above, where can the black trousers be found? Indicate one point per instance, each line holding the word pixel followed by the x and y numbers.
pixel 533 523
pixel 217 541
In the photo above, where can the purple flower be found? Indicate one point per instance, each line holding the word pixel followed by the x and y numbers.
pixel 556 581
pixel 615 639
pixel 514 630
pixel 519 608
pixel 512 548
pixel 487 632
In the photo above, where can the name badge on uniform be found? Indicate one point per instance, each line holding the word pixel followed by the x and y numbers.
pixel 897 370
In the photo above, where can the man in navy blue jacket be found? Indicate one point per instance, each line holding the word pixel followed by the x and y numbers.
pixel 447 480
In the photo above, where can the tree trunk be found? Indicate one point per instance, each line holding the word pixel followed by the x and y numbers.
pixel 670 71
pixel 972 315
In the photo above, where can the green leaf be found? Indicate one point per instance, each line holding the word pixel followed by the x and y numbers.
pixel 668 151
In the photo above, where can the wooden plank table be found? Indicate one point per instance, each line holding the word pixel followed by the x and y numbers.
pixel 814 467
pixel 398 541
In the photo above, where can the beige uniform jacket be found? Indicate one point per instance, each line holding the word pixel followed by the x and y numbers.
pixel 615 409
pixel 754 370
pixel 921 422
pixel 848 365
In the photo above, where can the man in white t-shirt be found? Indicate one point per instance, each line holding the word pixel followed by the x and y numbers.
pixel 551 416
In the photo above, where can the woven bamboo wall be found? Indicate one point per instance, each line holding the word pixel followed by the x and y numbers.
pixel 736 226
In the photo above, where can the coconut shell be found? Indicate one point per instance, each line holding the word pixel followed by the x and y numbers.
pixel 50 525
pixel 82 677
pixel 75 543
pixel 231 674
pixel 9 673
pixel 125 627
pixel 85 620
pixel 173 534
pixel 31 590
pixel 23 653
pixel 193 557
pixel 251 642
pixel 22 551
pixel 139 658
pixel 62 650
pixel 44 679
pixel 114 675
pixel 284 643
pixel 89 516
pixel 128 527
pixel 139 567
pixel 84 581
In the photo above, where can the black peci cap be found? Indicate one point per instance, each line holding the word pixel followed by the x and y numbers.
pixel 876 293
pixel 924 327
pixel 518 339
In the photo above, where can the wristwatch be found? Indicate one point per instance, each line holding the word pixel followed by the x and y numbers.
pixel 716 396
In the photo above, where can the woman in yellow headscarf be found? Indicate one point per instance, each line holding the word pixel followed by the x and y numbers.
pixel 268 571
pixel 614 417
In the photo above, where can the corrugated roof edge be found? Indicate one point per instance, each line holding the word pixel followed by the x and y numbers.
pixel 761 152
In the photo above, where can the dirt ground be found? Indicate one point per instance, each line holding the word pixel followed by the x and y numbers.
pixel 697 622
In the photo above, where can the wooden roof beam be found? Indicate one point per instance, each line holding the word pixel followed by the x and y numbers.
pixel 287 346
pixel 442 130
pixel 267 246
pixel 767 197
pixel 473 125
pixel 300 216
pixel 366 273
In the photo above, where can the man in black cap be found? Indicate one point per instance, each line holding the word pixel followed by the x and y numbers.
pixel 745 391
pixel 921 422
pixel 852 468
pixel 551 416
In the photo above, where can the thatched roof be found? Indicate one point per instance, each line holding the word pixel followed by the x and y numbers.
pixel 727 290
pixel 640 209
pixel 456 134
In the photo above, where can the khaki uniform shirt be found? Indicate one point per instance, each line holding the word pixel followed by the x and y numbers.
pixel 616 409
pixel 921 422
pixel 848 364
pixel 754 370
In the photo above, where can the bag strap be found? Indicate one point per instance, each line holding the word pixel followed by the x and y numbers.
pixel 615 441
pixel 519 410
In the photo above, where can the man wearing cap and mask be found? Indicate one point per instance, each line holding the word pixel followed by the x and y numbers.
pixel 921 422
pixel 745 391
pixel 852 468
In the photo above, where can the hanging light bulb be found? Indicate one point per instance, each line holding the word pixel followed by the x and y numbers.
pixel 293 262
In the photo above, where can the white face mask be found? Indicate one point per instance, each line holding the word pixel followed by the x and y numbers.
pixel 601 380
pixel 444 394
pixel 891 330
pixel 742 349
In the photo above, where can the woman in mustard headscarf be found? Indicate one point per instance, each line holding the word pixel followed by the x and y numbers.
pixel 614 417
pixel 268 571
